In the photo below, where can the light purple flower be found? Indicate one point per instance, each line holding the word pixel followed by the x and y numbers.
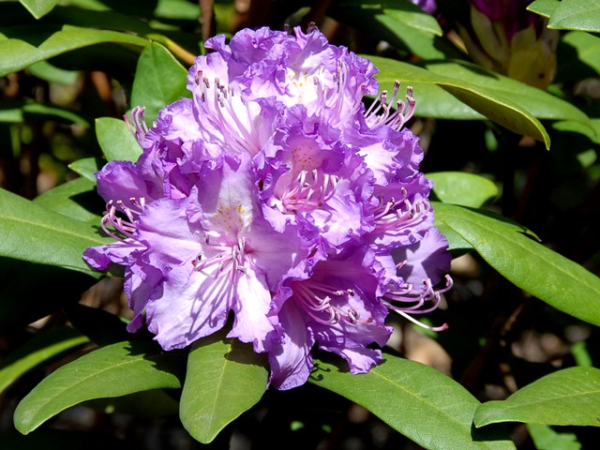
pixel 275 196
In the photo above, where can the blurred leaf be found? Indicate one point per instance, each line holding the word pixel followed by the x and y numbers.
pixel 412 16
pixel 86 167
pixel 43 346
pixel 566 397
pixel 111 371
pixel 529 265
pixel 418 401
pixel 62 199
pixel 543 7
pixel 224 379
pixel 545 438
pixel 581 15
pixel 587 47
pixel 14 111
pixel 32 233
pixel 177 9
pixel 16 54
pixel 39 8
pixel 462 188
pixel 159 81
pixel 116 140
pixel 48 72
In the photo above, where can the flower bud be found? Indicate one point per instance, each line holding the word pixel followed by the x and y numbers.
pixel 505 37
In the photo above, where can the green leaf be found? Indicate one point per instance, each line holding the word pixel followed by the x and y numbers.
pixel 418 401
pixel 16 54
pixel 67 199
pixel 567 397
pixel 587 47
pixel 39 349
pixel 581 15
pixel 112 371
pixel 39 8
pixel 86 167
pixel 543 7
pixel 419 42
pixel 224 379
pixel 462 188
pixel 529 265
pixel 15 111
pixel 412 16
pixel 116 140
pixel 32 233
pixel 159 81
pixel 545 438
pixel 508 102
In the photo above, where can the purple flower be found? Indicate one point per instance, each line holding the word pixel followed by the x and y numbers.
pixel 429 6
pixel 275 196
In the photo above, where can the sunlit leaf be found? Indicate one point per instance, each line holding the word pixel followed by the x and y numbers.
pixel 159 81
pixel 418 401
pixel 67 199
pixel 39 8
pixel 116 140
pixel 566 397
pixel 526 263
pixel 224 379
pixel 543 7
pixel 16 54
pixel 112 371
pixel 581 15
pixel 38 235
pixel 462 188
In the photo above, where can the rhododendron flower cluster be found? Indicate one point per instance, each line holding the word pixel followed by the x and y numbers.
pixel 274 196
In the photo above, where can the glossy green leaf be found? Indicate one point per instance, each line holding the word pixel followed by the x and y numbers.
pixel 508 102
pixel 39 349
pixel 39 8
pixel 159 81
pixel 86 167
pixel 67 199
pixel 529 265
pixel 545 438
pixel 567 397
pixel 418 401
pixel 543 7
pixel 462 188
pixel 224 379
pixel 412 16
pixel 116 140
pixel 16 54
pixel 112 371
pixel 32 233
pixel 581 15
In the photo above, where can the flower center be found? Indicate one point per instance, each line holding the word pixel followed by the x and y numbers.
pixel 225 118
pixel 406 299
pixel 399 213
pixel 125 226
pixel 305 192
pixel 379 111
pixel 316 300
